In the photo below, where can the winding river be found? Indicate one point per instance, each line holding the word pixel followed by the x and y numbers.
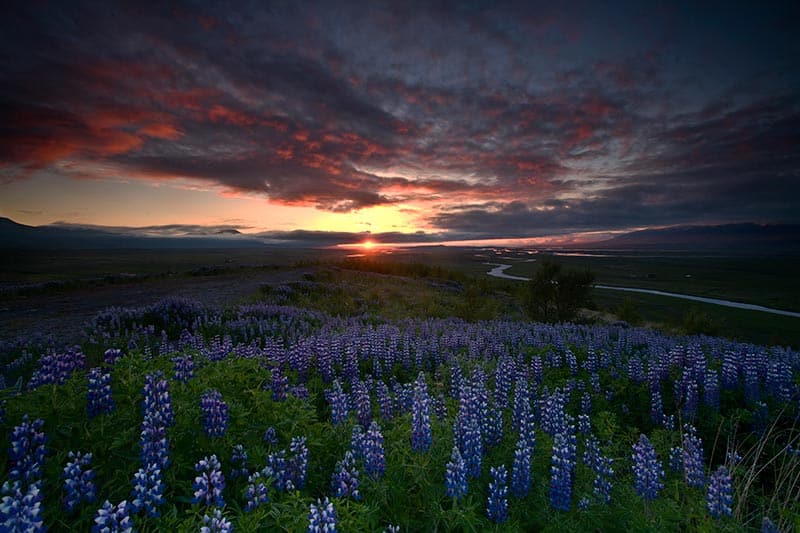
pixel 499 272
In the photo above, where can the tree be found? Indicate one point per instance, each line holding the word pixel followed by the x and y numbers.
pixel 555 294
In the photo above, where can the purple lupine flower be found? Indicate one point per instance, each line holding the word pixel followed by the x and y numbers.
pixel 184 368
pixel 215 413
pixel 297 466
pixel 497 501
pixel 27 451
pixel 21 508
pixel 384 401
pixel 99 400
pixel 421 435
pixel 719 497
pixel 521 468
pixel 583 504
pixel 374 458
pixel 208 486
pixel 521 405
pixel 216 523
pixel 56 368
pixel 768 526
pixel 494 427
pixel 256 492
pixel 456 475
pixel 711 389
pixel 392 529
pixel 113 518
pixel 153 442
pixel 322 517
pixel 562 469
pixel 270 436
pixel 584 424
pixel 276 469
pixel 148 491
pixel 604 472
pixel 112 355
pixel 656 407
pixel 299 391
pixel 157 400
pixel 279 385
pixel 78 481
pixel 472 446
pixel 676 459
pixel 693 457
pixel 360 401
pixel 344 481
pixel 591 452
pixel 647 469
pixel 239 462
pixel 339 403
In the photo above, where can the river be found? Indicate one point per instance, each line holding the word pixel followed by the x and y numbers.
pixel 499 272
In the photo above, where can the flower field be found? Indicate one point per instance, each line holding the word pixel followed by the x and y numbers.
pixel 178 417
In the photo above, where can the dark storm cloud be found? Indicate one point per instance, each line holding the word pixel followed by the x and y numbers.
pixel 513 119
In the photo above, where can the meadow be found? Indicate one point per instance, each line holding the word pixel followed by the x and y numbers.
pixel 382 396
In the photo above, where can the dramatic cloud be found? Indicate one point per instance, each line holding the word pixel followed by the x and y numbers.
pixel 519 119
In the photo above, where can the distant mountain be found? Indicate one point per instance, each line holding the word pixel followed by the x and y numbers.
pixel 19 236
pixel 728 237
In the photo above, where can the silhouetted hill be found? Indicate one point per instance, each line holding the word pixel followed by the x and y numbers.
pixel 728 237
pixel 20 236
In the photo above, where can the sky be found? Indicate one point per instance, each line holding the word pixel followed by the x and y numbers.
pixel 429 121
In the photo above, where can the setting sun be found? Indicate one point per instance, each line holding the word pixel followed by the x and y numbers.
pixel 368 245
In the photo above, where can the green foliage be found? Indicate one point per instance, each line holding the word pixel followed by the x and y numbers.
pixel 555 294
pixel 696 322
pixel 629 312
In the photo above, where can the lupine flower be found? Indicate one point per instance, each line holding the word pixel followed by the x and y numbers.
pixel 374 458
pixel 647 469
pixel 522 405
pixel 216 523
pixel 157 400
pixel 344 481
pixel 561 471
pixel 99 400
pixel 583 504
pixel 215 414
pixel 361 402
pixel 676 459
pixel 297 466
pixel 421 436
pixel 270 436
pixel 602 482
pixel 584 424
pixel 280 385
pixel 693 457
pixel 27 451
pixel 322 517
pixel 239 462
pixel 339 403
pixel 112 355
pixel 153 442
pixel 277 470
pixel 208 486
pixel 56 368
pixel 455 479
pixel 78 481
pixel 768 526
pixel 392 529
pixel 256 492
pixel 472 447
pixel 148 491
pixel 184 368
pixel 497 502
pixel 521 468
pixel 719 497
pixel 20 507
pixel 113 518
pixel 384 401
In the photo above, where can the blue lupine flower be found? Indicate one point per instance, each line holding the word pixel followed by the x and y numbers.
pixel 360 400
pixel 148 491
pixel 584 424
pixel 270 436
pixel 339 403
pixel 256 492
pixel 27 451
pixel 693 457
pixel 280 385
pixel 455 478
pixel 112 355
pixel 591 452
pixel 216 523
pixel 78 481
pixel 497 502
pixel 239 462
pixel 208 486
pixel 322 517
pixel 344 481
pixel 215 413
pixel 153 442
pixel 521 468
pixel 297 466
pixel 562 469
pixel 374 458
pixel 719 497
pixel 647 469
pixel 768 526
pixel 99 399
pixel 113 518
pixel 184 368
pixel 384 401
pixel 421 436
pixel 157 400
pixel 602 482
pixel 522 405
pixel 20 507
pixel 276 469
pixel 676 459
pixel 583 504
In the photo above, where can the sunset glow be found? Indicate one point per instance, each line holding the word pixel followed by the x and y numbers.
pixel 458 123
